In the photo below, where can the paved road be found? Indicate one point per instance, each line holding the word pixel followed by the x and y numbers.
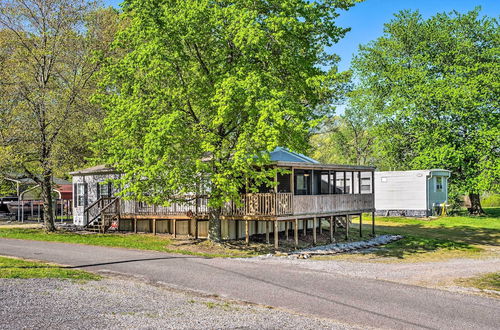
pixel 364 302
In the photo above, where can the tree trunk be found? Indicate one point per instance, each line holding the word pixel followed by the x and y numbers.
pixel 214 225
pixel 48 212
pixel 475 204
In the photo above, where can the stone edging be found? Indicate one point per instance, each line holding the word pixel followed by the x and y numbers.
pixel 345 247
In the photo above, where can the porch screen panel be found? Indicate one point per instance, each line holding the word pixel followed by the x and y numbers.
pixel 339 183
pixel 284 183
pixel 366 183
pixel 302 180
pixel 324 183
pixel 356 182
pixel 348 183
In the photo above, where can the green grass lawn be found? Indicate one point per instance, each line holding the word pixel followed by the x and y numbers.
pixel 18 268
pixel 436 238
pixel 141 242
pixel 425 239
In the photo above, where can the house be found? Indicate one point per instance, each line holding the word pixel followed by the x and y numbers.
pixel 411 193
pixel 308 193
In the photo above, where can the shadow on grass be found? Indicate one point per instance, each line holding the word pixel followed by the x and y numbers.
pixel 457 234
pixel 411 245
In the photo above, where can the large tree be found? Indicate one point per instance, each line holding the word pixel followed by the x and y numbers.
pixel 49 51
pixel 348 138
pixel 209 87
pixel 435 83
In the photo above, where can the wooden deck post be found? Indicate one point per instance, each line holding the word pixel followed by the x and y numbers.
pixel 334 225
pixel 304 227
pixel 360 225
pixel 196 228
pixel 296 232
pixel 320 220
pixel 135 225
pixel 331 229
pixel 267 232
pixel 286 230
pixel 347 227
pixel 154 226
pixel 373 223
pixel 314 230
pixel 256 227
pixel 276 234
pixel 175 228
pixel 247 232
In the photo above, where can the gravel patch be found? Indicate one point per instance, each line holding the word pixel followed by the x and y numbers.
pixel 335 248
pixel 114 303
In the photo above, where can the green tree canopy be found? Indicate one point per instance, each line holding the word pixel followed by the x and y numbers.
pixel 208 87
pixel 435 84
pixel 49 53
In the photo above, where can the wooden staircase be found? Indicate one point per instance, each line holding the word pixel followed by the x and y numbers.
pixel 103 214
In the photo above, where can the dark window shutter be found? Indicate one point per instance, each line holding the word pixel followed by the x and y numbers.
pixel 110 192
pixel 98 190
pixel 75 204
pixel 85 194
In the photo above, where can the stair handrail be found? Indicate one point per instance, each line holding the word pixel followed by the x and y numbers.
pixel 97 202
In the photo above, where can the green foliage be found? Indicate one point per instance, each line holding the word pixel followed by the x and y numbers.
pixel 434 85
pixel 208 88
pixel 491 200
pixel 348 138
pixel 17 268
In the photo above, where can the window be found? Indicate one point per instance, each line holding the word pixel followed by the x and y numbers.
pixel 348 182
pixel 325 189
pixel 339 183
pixel 302 182
pixel 439 184
pixel 80 194
pixel 356 182
pixel 104 189
pixel 366 182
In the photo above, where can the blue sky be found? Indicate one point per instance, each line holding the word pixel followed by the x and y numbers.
pixel 367 18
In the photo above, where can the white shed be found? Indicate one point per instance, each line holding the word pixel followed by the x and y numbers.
pixel 410 193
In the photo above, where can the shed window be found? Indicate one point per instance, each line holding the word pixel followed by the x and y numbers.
pixel 439 184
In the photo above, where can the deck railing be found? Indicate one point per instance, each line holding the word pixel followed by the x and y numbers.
pixel 317 204
pixel 257 204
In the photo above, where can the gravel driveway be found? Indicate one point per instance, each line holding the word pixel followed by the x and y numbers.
pixel 116 303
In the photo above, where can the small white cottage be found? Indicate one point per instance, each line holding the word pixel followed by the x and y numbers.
pixel 418 193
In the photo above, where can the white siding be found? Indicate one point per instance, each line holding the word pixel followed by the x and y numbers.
pixel 402 190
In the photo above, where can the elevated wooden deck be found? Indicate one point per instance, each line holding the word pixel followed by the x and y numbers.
pixel 283 209
pixel 258 206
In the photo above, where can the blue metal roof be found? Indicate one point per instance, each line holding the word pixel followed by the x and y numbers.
pixel 284 155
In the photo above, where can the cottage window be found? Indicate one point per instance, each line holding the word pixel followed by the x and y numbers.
pixel 104 190
pixel 80 194
pixel 439 184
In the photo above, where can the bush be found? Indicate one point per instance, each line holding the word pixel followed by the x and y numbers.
pixel 490 200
